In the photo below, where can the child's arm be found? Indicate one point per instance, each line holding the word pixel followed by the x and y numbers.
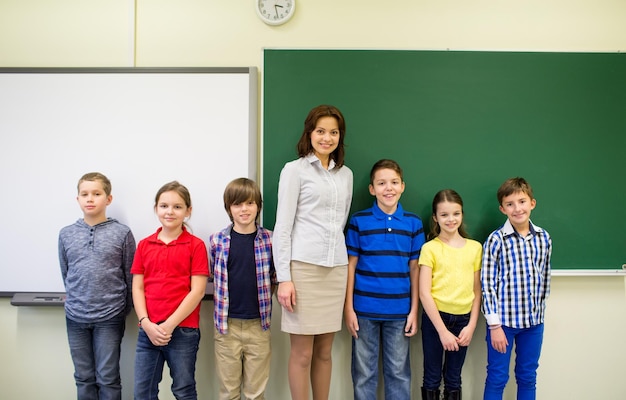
pixel 465 336
pixel 489 281
pixel 62 260
pixel 157 335
pixel 127 261
pixel 448 340
pixel 273 280
pixel 189 303
pixel 490 276
pixel 411 321
pixel 351 319
pixel 212 255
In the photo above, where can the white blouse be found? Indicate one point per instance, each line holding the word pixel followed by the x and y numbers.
pixel 313 208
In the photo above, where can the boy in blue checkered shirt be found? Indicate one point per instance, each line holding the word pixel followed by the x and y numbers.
pixel 515 279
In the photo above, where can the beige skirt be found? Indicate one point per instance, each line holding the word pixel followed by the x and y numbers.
pixel 320 294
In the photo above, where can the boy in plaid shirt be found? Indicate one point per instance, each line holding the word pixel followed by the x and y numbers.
pixel 244 280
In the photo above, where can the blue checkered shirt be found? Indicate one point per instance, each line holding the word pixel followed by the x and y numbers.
pixel 515 276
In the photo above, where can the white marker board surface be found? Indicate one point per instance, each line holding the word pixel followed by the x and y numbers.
pixel 141 127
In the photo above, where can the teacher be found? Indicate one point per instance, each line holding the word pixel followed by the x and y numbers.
pixel 314 196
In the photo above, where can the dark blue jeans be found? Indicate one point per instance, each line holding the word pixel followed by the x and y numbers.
pixel 388 335
pixel 95 350
pixel 438 361
pixel 180 355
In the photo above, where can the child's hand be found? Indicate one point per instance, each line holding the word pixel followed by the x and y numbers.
pixel 352 323
pixel 410 328
pixel 156 333
pixel 449 341
pixel 465 336
pixel 498 340
pixel 287 295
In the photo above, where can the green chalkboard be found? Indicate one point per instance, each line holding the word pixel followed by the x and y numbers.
pixel 468 121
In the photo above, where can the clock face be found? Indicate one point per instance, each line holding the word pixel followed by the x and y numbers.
pixel 275 12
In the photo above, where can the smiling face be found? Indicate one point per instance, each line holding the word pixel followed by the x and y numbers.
pixel 93 201
pixel 244 216
pixel 517 207
pixel 449 217
pixel 172 211
pixel 325 138
pixel 387 186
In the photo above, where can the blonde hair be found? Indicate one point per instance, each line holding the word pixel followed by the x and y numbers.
pixel 96 176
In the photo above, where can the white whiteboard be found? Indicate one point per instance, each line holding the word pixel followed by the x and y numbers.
pixel 141 127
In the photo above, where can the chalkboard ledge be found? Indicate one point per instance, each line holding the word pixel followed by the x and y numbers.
pixel 58 298
pixel 589 272
pixel 38 299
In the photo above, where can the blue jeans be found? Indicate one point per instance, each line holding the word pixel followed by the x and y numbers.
pixel 95 350
pixel 396 361
pixel 180 355
pixel 528 343
pixel 436 359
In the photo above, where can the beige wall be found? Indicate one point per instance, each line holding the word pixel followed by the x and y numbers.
pixel 584 354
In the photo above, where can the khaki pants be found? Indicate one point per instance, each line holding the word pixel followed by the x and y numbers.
pixel 242 360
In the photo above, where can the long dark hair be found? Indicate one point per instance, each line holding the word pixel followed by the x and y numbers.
pixel 304 147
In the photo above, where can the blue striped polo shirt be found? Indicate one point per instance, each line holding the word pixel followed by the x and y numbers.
pixel 384 244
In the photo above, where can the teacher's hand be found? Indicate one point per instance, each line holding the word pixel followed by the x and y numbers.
pixel 287 295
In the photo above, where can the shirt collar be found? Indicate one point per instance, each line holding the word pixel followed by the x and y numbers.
pixel 82 222
pixel 379 214
pixel 229 230
pixel 507 229
pixel 312 158
pixel 184 237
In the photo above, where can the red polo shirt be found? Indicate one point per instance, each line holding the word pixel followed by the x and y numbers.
pixel 167 271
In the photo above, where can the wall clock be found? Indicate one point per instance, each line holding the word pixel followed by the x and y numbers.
pixel 275 12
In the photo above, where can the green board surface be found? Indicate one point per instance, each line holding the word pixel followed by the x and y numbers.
pixel 468 121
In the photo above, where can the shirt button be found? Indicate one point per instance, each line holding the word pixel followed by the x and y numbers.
pixel 388 229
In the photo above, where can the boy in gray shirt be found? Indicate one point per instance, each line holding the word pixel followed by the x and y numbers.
pixel 96 254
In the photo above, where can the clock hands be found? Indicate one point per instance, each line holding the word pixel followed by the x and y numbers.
pixel 276 9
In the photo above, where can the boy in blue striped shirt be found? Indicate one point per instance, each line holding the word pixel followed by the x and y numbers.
pixel 515 278
pixel 384 244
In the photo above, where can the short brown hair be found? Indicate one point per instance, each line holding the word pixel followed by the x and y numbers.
pixel 96 176
pixel 304 146
pixel 240 190
pixel 385 164
pixel 514 185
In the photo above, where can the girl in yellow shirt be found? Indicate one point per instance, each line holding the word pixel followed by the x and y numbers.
pixel 449 287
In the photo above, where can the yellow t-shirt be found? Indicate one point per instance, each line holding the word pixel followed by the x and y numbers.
pixel 453 273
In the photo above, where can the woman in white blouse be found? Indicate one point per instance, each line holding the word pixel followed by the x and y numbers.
pixel 314 196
